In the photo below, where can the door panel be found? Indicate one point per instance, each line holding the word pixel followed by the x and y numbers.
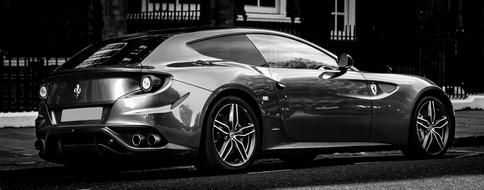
pixel 316 109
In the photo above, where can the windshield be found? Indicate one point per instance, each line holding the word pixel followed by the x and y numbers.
pixel 114 53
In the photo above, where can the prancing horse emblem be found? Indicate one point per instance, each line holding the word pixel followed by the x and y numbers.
pixel 77 90
pixel 374 89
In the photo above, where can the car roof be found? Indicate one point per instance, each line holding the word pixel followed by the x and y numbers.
pixel 193 33
pixel 174 48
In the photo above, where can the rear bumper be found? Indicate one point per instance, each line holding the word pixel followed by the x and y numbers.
pixel 170 113
pixel 107 143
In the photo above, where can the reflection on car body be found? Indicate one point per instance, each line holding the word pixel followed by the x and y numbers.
pixel 219 98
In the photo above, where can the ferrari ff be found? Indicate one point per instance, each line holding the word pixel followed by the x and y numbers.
pixel 220 98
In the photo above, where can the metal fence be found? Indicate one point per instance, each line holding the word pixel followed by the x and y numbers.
pixel 437 58
pixel 20 80
pixel 160 14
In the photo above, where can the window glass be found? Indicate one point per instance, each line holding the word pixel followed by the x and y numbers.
pixel 282 52
pixel 113 53
pixel 252 2
pixel 235 48
pixel 261 3
pixel 267 3
pixel 102 55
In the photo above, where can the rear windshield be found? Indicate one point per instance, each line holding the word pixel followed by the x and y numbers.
pixel 114 53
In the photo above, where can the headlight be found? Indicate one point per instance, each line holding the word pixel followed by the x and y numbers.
pixel 43 92
pixel 149 83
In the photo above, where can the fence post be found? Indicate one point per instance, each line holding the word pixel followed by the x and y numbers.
pixel 2 81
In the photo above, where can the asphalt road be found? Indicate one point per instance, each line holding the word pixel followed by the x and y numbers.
pixel 459 169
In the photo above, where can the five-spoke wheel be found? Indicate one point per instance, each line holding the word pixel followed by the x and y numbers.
pixel 432 129
pixel 230 135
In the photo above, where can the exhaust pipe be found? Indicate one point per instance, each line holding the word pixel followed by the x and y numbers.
pixel 40 145
pixel 137 139
pixel 153 139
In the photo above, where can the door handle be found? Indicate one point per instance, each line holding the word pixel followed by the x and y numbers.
pixel 280 86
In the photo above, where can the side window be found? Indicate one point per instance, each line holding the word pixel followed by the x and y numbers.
pixel 235 48
pixel 282 52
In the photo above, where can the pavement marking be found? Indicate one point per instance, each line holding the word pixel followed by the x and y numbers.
pixel 270 171
pixel 470 155
pixel 363 163
pixel 164 169
pixel 467 153
pixel 26 163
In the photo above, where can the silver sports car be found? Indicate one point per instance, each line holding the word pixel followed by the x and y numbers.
pixel 220 98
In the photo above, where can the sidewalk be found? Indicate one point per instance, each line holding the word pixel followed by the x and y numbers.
pixel 469 130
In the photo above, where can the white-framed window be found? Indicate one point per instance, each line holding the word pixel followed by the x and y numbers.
pixel 168 5
pixel 263 6
pixel 266 10
pixel 171 9
pixel 342 19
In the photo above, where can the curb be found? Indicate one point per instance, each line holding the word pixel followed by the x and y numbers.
pixel 19 114
pixel 17 119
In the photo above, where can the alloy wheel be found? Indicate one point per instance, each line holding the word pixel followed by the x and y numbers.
pixel 432 127
pixel 233 134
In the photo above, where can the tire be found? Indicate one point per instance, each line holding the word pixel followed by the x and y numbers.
pixel 230 136
pixel 431 129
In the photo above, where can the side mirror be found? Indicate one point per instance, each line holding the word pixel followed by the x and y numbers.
pixel 345 61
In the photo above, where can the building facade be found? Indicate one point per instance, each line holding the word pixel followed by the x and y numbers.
pixel 442 40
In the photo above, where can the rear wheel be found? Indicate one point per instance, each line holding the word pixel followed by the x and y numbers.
pixel 230 136
pixel 432 129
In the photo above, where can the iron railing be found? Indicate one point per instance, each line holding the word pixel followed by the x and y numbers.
pixel 161 14
pixel 20 81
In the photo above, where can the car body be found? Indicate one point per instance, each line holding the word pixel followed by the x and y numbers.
pixel 221 97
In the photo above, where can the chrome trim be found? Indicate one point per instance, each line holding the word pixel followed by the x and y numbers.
pixel 163 109
pixel 52 118
pixel 137 139
pixel 377 97
pixel 316 145
pixel 132 148
pixel 155 138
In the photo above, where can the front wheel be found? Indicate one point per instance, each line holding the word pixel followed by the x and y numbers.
pixel 432 129
pixel 230 136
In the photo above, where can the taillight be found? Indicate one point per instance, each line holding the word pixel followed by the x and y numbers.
pixel 43 92
pixel 150 83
